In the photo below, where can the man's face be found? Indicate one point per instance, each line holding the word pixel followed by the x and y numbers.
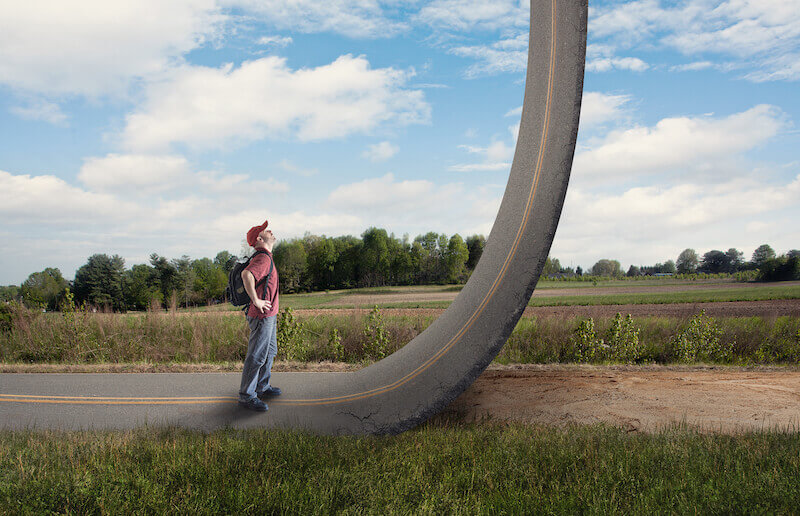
pixel 267 237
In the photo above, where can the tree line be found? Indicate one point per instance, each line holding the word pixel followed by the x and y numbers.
pixel 311 263
pixel 317 263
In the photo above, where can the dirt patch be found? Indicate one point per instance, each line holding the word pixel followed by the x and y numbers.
pixel 719 400
pixel 771 308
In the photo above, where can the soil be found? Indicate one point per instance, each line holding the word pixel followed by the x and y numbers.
pixel 638 399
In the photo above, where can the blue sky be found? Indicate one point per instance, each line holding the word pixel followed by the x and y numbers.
pixel 172 127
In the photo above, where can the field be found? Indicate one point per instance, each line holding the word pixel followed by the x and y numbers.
pixel 698 413
pixel 558 293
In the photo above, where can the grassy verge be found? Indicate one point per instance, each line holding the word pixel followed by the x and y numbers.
pixel 85 338
pixel 438 468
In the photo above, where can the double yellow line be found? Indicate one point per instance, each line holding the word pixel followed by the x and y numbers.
pixel 115 400
pixel 91 400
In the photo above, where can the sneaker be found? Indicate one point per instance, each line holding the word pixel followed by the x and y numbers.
pixel 254 404
pixel 270 391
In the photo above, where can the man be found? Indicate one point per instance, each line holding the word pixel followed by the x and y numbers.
pixel 262 319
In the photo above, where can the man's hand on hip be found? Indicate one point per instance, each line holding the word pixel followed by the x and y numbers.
pixel 262 305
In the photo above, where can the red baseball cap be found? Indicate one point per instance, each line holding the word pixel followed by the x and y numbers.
pixel 253 233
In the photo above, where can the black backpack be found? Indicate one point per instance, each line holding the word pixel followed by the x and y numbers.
pixel 236 292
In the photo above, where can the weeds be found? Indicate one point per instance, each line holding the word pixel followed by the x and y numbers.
pixel 700 341
pixel 78 336
pixel 292 343
pixel 376 336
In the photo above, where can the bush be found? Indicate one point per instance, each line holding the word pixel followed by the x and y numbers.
pixel 292 344
pixel 587 347
pixel 376 336
pixel 700 341
pixel 623 340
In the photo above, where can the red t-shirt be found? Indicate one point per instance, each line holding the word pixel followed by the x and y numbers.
pixel 259 267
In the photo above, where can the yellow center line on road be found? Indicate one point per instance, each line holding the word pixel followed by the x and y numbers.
pixel 116 400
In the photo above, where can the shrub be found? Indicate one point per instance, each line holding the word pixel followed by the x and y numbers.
pixel 700 341
pixel 587 347
pixel 335 350
pixel 291 337
pixel 376 335
pixel 623 340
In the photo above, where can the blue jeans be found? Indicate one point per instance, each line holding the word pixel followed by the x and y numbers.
pixel 261 350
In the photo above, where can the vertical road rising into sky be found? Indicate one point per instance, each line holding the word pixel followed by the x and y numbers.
pixel 429 372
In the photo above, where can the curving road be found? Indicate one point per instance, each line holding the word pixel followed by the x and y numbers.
pixel 419 380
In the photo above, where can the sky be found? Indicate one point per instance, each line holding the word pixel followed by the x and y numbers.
pixel 134 127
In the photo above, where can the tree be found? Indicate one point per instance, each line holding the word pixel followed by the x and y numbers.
pixel 763 253
pixel 9 293
pixel 455 259
pixel 475 245
pixel 794 253
pixel 99 281
pixel 141 287
pixel 735 259
pixel 687 261
pixel 715 261
pixel 782 268
pixel 210 280
pixel 321 261
pixel 44 289
pixel 668 267
pixel 225 260
pixel 579 271
pixel 166 276
pixel 606 267
pixel 375 261
pixel 291 260
pixel 633 271
pixel 184 279
pixel 345 271
pixel 551 266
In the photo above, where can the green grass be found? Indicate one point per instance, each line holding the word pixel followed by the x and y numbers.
pixel 439 468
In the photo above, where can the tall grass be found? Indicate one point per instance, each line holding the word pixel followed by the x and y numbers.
pixel 85 338
pixel 445 468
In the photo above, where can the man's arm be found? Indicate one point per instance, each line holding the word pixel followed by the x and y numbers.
pixel 249 281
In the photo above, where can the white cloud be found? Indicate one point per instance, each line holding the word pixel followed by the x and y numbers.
pixel 95 48
pixel 605 64
pixel 496 156
pixel 380 151
pixel 41 110
pixel 134 173
pixel 379 192
pixel 681 142
pixel 352 18
pixel 622 225
pixel 418 206
pixel 142 175
pixel 203 106
pixel 288 166
pixel 507 55
pixel 467 15
pixel 517 111
pixel 598 108
pixel 763 35
pixel 26 199
pixel 278 41
pixel 692 67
